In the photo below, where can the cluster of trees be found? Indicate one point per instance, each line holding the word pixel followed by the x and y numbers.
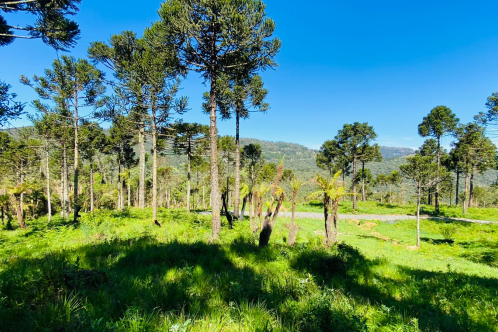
pixel 228 43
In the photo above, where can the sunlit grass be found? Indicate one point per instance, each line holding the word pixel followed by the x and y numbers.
pixel 116 271
pixel 368 207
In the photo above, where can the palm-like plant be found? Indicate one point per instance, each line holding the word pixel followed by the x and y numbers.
pixel 4 203
pixel 18 192
pixel 277 196
pixel 332 191
pixel 295 185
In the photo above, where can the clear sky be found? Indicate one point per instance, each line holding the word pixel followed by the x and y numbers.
pixel 387 63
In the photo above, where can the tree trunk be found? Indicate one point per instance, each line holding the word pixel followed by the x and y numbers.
pixel 418 216
pixel 269 222
pixel 213 135
pixel 66 182
pixel 224 198
pixel 436 194
pixel 154 168
pixel 188 175
pixel 471 190
pixel 242 211
pixel 457 185
pixel 19 211
pixel 252 217
pixel 467 189
pixel 47 170
pixel 62 190
pixel 20 206
pixel 141 185
pixel 237 168
pixel 293 228
pixel 91 187
pixel 128 190
pixel 354 182
pixel 363 197
pixel 76 164
pixel 335 219
pixel 328 220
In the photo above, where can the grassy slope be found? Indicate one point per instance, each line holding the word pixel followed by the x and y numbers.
pixel 117 272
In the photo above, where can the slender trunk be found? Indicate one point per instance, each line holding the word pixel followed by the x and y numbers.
pixel 335 219
pixel 457 186
pixel 242 211
pixel 47 171
pixel 390 193
pixel 260 211
pixel 203 197
pixel 119 183
pixel 128 190
pixel 91 186
pixel 20 206
pixel 237 168
pixel 467 189
pixel 213 135
pixel 269 222
pixel 328 220
pixel 471 190
pixel 451 191
pixel 251 221
pixel 62 191
pixel 154 167
pixel 436 194
pixel 293 228
pixel 141 185
pixel 363 197
pixel 188 175
pixel 66 182
pixel 354 182
pixel 418 216
pixel 76 164
pixel 224 198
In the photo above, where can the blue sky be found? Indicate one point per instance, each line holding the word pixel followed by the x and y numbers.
pixel 387 63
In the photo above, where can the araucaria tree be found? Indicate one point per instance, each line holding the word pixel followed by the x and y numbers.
pixel 332 190
pixel 9 108
pixel 214 37
pixel 475 152
pixel 52 25
pixel 424 173
pixel 440 121
pixel 71 85
pixel 353 140
pixel 188 138
pixel 238 96
pixel 149 76
pixel 93 141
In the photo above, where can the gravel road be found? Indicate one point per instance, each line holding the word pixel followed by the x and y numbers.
pixel 380 217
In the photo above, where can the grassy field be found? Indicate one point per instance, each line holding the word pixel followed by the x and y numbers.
pixel 117 272
pixel 490 214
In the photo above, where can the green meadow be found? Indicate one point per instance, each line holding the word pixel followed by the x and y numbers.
pixel 116 271
pixel 372 207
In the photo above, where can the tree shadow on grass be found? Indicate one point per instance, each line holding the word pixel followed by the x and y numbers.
pixel 438 301
pixel 142 275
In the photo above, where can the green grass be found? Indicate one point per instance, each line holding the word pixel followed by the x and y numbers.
pixel 118 272
pixel 490 214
